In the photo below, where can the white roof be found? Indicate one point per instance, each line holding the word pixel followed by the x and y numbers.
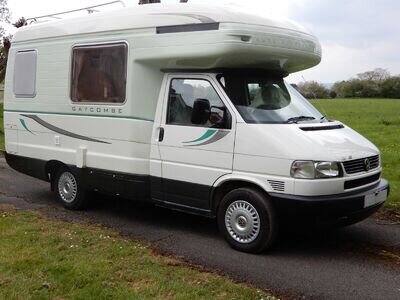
pixel 147 17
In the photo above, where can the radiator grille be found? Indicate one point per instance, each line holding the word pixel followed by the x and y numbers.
pixel 351 184
pixel 361 165
pixel 276 185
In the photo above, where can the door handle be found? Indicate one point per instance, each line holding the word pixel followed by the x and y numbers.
pixel 161 134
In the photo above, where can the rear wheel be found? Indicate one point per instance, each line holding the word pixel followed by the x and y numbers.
pixel 247 220
pixel 69 191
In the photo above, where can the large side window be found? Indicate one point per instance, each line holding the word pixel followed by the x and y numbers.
pixel 99 73
pixel 183 95
pixel 25 74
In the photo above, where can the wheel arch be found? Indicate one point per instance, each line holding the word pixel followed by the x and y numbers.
pixel 228 183
pixel 51 169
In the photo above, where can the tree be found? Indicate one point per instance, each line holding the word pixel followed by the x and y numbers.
pixel 5 47
pixel 4 57
pixel 342 89
pixel 313 89
pixel 357 88
pixel 377 74
pixel 5 16
pixel 376 83
pixel 391 87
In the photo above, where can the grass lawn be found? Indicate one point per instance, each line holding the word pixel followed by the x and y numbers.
pixel 51 259
pixel 379 121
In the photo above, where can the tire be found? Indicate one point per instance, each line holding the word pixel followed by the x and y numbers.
pixel 68 190
pixel 247 219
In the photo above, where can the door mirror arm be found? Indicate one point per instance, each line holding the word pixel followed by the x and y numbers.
pixel 226 122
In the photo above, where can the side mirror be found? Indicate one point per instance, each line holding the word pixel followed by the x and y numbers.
pixel 201 111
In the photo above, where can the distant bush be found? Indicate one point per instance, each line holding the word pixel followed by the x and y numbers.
pixel 313 90
pixel 391 87
pixel 371 84
pixel 357 88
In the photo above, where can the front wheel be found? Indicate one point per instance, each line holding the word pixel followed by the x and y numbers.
pixel 247 219
pixel 69 191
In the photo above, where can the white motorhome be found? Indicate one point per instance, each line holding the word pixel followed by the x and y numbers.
pixel 185 106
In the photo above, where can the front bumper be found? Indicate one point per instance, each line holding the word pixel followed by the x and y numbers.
pixel 340 209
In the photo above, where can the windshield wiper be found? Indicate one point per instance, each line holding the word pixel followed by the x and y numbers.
pixel 299 118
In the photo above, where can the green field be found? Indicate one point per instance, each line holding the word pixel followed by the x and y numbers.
pixel 379 121
pixel 49 259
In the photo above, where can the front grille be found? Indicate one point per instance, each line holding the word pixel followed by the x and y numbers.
pixel 361 165
pixel 276 185
pixel 351 184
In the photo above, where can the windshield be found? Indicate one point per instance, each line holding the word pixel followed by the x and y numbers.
pixel 264 100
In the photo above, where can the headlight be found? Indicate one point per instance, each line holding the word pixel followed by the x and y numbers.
pixel 303 169
pixel 326 169
pixel 314 169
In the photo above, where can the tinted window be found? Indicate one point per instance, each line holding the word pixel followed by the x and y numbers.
pixel 99 73
pixel 263 99
pixel 182 95
pixel 268 95
pixel 25 74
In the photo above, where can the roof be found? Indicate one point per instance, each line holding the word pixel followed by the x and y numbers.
pixel 147 17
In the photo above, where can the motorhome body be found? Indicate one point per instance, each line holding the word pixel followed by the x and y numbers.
pixel 184 106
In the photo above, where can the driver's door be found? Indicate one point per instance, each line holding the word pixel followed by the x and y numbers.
pixel 194 156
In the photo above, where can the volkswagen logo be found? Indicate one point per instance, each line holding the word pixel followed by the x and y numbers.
pixel 367 164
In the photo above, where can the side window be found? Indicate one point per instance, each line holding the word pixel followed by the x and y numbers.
pixel 99 73
pixel 25 74
pixel 182 97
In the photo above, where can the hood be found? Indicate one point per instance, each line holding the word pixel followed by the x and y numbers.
pixel 331 141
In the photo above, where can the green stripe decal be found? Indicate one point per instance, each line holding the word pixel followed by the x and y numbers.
pixel 62 131
pixel 209 133
pixel 24 125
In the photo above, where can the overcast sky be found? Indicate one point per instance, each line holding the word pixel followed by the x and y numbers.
pixel 356 35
